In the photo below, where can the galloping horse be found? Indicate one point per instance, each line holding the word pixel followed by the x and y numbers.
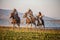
pixel 30 19
pixel 15 18
pixel 40 21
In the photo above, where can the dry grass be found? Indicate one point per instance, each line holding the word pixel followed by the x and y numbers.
pixel 8 33
pixel 30 29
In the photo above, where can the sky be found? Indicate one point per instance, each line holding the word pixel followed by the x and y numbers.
pixel 50 8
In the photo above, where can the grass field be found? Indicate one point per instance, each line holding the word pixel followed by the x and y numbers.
pixel 7 33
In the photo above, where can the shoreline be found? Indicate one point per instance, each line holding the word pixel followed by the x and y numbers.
pixel 46 28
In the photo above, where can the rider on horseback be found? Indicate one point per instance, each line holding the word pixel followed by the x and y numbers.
pixel 40 17
pixel 30 12
pixel 30 19
pixel 15 18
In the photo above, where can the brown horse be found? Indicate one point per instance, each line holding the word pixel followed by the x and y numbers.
pixel 29 20
pixel 14 20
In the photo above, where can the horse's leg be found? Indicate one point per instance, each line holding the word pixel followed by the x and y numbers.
pixel 43 23
pixel 34 24
pixel 18 25
pixel 26 25
pixel 13 26
pixel 31 25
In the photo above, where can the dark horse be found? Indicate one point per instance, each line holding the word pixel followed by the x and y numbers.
pixel 15 18
pixel 40 20
pixel 30 19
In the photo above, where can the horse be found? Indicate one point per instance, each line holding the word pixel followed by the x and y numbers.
pixel 14 20
pixel 29 19
pixel 40 20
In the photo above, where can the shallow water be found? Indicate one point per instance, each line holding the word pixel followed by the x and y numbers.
pixel 47 23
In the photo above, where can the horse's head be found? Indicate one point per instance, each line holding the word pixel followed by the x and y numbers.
pixel 12 15
pixel 25 15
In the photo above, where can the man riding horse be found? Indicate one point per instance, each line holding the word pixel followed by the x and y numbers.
pixel 15 18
